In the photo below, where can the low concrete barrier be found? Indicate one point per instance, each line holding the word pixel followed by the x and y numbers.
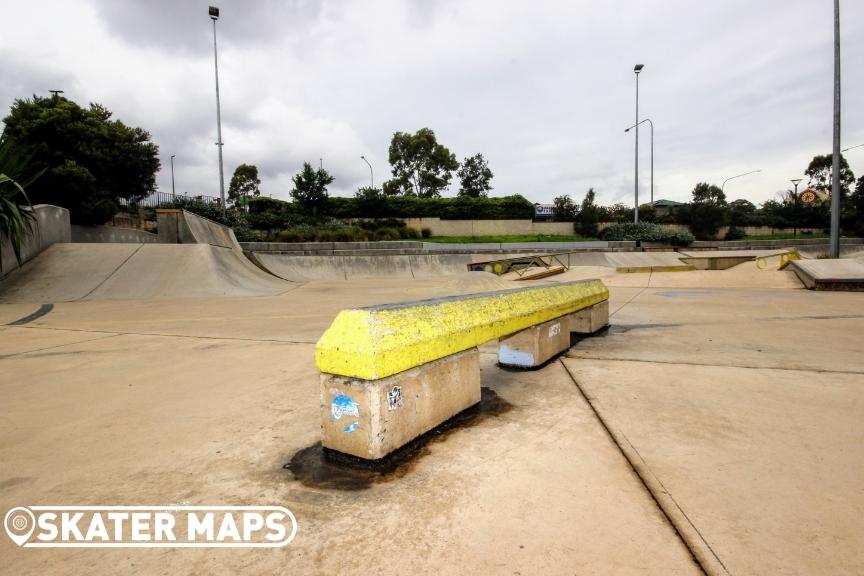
pixel 391 373
pixel 51 226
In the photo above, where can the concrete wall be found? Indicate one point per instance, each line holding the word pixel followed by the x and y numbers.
pixel 489 227
pixel 51 226
pixel 110 234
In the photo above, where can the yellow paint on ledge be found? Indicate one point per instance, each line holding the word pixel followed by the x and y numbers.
pixel 379 341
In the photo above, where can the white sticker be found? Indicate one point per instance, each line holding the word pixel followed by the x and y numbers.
pixel 394 398
pixel 555 329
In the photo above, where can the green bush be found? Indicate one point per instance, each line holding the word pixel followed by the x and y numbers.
pixel 426 232
pixel 387 234
pixel 646 232
pixel 735 233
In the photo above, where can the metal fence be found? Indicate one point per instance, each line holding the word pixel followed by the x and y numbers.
pixel 157 199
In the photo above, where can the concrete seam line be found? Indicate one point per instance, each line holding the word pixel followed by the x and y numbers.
pixel 692 539
pixel 4 356
pixel 679 363
pixel 112 273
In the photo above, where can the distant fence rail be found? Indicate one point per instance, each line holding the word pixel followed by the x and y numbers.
pixel 141 214
pixel 157 199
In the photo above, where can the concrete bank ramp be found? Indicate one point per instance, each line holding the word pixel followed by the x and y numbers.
pixel 69 272
pixel 305 268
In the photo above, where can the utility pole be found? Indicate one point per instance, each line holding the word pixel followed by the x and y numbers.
pixel 835 156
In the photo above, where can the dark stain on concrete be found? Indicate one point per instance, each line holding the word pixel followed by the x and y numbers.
pixel 319 467
pixel 41 311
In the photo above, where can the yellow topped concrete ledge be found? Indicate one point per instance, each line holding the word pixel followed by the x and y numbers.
pixel 379 341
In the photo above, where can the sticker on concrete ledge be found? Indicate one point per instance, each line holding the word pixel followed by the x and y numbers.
pixel 555 329
pixel 394 398
pixel 343 405
pixel 351 427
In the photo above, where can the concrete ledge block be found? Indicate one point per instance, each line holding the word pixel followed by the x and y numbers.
pixel 589 320
pixel 372 418
pixel 534 346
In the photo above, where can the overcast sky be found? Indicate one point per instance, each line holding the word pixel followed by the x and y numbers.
pixel 543 89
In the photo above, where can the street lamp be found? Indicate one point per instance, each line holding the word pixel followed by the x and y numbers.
pixel 637 69
pixel 652 153
pixel 795 181
pixel 214 15
pixel 173 193
pixel 371 176
pixel 723 187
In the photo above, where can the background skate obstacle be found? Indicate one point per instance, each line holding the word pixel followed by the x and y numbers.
pixel 391 373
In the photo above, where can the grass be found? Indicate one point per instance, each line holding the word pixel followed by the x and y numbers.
pixel 507 238
pixel 787 237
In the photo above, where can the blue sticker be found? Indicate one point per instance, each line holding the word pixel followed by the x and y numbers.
pixel 343 405
pixel 351 427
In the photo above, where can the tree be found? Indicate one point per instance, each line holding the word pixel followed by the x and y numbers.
pixel 244 182
pixel 856 208
pixel 564 209
pixel 369 201
pixel 707 211
pixel 819 174
pixel 741 212
pixel 90 161
pixel 310 188
pixel 421 166
pixel 589 215
pixel 474 177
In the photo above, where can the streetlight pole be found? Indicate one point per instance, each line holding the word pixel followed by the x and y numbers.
pixel 835 156
pixel 795 181
pixel 371 176
pixel 173 193
pixel 214 15
pixel 723 187
pixel 637 69
pixel 652 153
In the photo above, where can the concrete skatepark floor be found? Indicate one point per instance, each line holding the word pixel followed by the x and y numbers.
pixel 741 393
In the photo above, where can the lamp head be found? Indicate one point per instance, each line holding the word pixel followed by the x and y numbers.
pixel 214 13
pixel 638 68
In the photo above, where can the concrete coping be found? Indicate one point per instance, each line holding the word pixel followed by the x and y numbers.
pixel 378 341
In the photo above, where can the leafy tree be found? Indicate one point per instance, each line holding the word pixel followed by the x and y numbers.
pixel 421 166
pixel 741 212
pixel 589 215
pixel 856 208
pixel 819 174
pixel 244 182
pixel 474 177
pixel 310 188
pixel 564 209
pixel 708 211
pixel 616 213
pixel 90 160
pixel 370 202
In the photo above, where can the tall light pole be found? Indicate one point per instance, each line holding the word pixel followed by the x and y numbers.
pixel 173 193
pixel 795 181
pixel 652 153
pixel 835 156
pixel 214 15
pixel 723 187
pixel 637 69
pixel 371 176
